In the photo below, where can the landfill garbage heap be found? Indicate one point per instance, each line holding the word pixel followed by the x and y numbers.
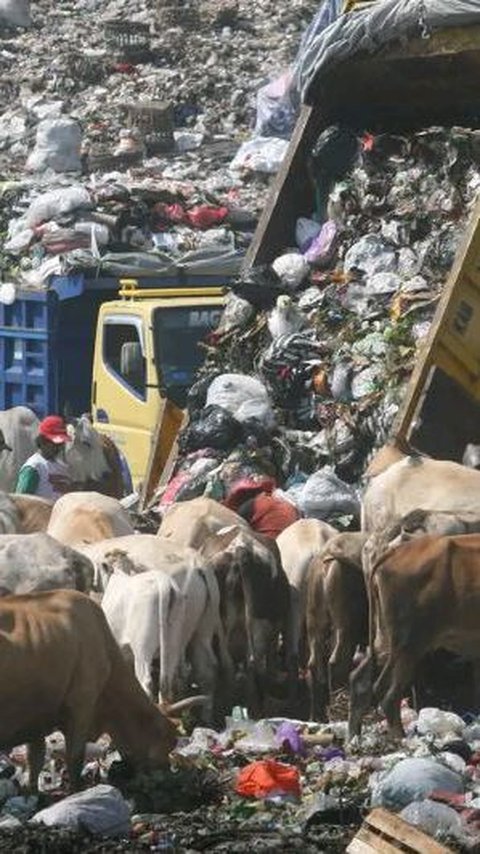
pixel 331 329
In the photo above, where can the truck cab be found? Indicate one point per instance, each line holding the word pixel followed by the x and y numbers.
pixel 147 350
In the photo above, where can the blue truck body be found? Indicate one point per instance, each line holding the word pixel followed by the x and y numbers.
pixel 47 341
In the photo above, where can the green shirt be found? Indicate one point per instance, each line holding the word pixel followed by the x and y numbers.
pixel 28 480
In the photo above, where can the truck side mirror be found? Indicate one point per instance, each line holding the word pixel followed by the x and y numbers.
pixel 132 365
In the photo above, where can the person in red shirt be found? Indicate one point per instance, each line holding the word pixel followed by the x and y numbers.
pixel 266 513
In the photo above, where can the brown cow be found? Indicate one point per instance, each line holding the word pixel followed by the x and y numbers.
pixel 336 616
pixel 191 523
pixel 424 596
pixel 60 668
pixel 254 604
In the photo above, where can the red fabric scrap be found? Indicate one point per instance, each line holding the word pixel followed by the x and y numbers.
pixel 203 216
pixel 266 778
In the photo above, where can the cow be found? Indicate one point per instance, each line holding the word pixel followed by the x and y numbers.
pixel 254 605
pixel 415 524
pixel 171 612
pixel 424 596
pixel 19 428
pixel 30 563
pixel 80 518
pixel 419 483
pixel 23 514
pixel 180 617
pixel 191 523
pixel 298 545
pixel 60 668
pixel 336 618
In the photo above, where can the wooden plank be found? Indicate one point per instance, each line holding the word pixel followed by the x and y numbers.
pixel 288 192
pixel 365 842
pixel 169 422
pixel 384 832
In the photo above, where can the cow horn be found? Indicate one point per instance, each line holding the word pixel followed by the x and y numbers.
pixel 187 703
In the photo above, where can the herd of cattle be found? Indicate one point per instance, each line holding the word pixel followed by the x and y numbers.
pixel 99 623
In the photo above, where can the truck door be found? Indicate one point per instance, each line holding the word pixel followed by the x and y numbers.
pixel 125 398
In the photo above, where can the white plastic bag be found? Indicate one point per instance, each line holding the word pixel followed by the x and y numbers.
pixel 15 12
pixel 57 146
pixel 262 154
pixel 292 269
pixel 245 397
pixel 57 202
pixel 411 780
pixel 324 496
pixel 371 255
pixel 437 820
pixel 101 810
pixel 439 723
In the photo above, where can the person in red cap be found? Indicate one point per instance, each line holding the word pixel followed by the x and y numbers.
pixel 44 473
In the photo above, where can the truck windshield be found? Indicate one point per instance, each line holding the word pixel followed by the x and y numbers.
pixel 177 334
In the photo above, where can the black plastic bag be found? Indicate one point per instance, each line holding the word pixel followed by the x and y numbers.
pixel 214 428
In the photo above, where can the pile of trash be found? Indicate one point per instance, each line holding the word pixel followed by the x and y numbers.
pixel 290 785
pixel 329 332
pixel 115 139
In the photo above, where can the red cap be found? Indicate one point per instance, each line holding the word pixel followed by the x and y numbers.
pixel 54 429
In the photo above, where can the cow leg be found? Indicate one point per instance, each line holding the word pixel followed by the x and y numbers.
pixel 317 681
pixel 204 666
pixel 36 758
pixel 340 662
pixel 77 731
pixel 402 671
pixel 361 694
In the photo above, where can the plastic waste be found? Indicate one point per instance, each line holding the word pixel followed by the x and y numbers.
pixel 15 12
pixel 439 723
pixel 57 146
pixel 275 109
pixel 324 496
pixel 259 739
pixel 261 154
pixel 322 248
pixel 9 822
pixel 411 780
pixel 291 269
pixel 371 255
pixel 287 735
pixel 7 293
pixel 267 778
pixel 306 230
pixel 214 427
pixel 286 318
pixel 382 283
pixel 101 810
pixel 438 820
pixel 57 202
pixel 243 396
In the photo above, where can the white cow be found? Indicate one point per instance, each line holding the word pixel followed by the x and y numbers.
pixel 79 518
pixel 419 483
pixel 195 623
pixel 30 563
pixel 19 428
